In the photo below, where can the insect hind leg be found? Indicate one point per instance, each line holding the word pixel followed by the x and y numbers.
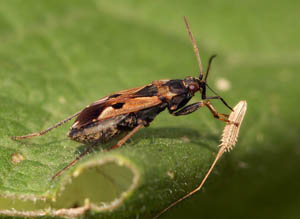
pixel 32 135
pixel 89 149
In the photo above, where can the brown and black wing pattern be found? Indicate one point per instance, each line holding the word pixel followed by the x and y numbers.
pixel 119 103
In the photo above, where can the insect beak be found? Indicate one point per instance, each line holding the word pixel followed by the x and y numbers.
pixel 200 77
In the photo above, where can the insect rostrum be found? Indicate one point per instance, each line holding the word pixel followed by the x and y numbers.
pixel 125 112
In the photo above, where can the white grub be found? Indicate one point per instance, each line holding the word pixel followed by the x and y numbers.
pixel 229 138
pixel 231 130
pixel 223 84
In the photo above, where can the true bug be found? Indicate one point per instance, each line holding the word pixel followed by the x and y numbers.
pixel 129 110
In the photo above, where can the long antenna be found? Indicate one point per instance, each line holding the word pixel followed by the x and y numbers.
pixel 208 67
pixel 194 46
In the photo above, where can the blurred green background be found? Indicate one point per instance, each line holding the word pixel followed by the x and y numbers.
pixel 58 56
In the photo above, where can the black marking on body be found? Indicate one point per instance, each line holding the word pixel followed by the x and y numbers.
pixel 148 91
pixel 178 101
pixel 147 115
pixel 89 114
pixel 118 105
pixel 176 86
pixel 114 96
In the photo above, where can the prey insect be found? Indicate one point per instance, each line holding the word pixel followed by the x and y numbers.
pixel 127 111
pixel 228 141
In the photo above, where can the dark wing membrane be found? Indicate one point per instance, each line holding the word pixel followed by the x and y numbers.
pixel 90 113
pixel 147 91
pixel 122 102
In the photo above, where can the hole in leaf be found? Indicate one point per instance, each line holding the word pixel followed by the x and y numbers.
pixel 102 184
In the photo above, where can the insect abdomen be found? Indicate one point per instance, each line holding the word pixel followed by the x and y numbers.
pixel 97 132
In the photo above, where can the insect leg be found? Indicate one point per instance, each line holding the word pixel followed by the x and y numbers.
pixel 74 161
pixel 189 109
pixel 46 130
pixel 219 116
pixel 131 133
pixel 195 106
pixel 219 98
pixel 119 144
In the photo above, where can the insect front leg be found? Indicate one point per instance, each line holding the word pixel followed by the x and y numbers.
pixel 219 116
pixel 46 130
pixel 195 106
pixel 189 109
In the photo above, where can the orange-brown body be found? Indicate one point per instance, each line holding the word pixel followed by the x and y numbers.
pixel 122 111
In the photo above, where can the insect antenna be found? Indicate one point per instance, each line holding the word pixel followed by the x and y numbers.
pixel 208 67
pixel 196 50
pixel 205 80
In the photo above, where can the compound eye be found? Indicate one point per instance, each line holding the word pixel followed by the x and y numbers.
pixel 194 87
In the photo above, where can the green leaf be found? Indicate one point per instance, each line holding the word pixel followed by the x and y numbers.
pixel 56 57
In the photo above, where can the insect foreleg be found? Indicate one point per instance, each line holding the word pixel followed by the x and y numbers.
pixel 46 130
pixel 189 109
pixel 219 116
pixel 195 106
pixel 125 138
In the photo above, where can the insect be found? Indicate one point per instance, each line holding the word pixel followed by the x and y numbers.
pixel 228 141
pixel 127 111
